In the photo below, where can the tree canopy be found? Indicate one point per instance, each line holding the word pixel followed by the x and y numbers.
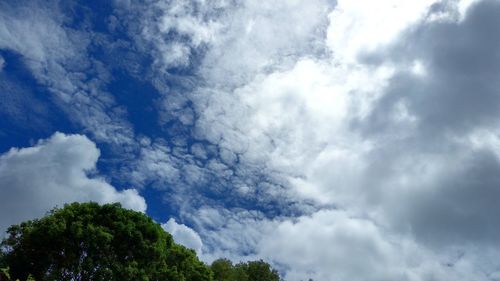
pixel 86 241
pixel 224 270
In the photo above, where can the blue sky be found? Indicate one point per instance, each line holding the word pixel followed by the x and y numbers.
pixel 338 140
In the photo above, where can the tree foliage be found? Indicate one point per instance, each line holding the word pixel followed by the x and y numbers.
pixel 224 270
pixel 86 241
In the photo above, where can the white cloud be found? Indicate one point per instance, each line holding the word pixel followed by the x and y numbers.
pixel 361 26
pixel 184 235
pixel 231 234
pixel 258 38
pixel 295 122
pixel 174 29
pixel 53 172
pixel 2 63
pixel 38 37
pixel 330 245
pixel 57 57
pixel 464 5
pixel 334 245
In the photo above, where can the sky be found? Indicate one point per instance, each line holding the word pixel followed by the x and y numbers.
pixel 336 140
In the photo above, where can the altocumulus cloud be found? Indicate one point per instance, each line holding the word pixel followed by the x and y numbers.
pixel 53 172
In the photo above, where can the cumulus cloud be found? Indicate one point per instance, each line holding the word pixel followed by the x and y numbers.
pixel 184 235
pixel 445 164
pixel 53 172
pixel 334 245
pixel 330 245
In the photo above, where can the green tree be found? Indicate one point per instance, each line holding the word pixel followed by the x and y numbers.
pixel 86 241
pixel 261 271
pixel 224 270
pixel 241 271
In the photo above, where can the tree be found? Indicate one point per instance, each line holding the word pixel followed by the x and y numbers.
pixel 224 270
pixel 261 271
pixel 86 241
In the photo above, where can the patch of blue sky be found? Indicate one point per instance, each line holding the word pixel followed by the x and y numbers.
pixel 27 110
pixel 158 208
pixel 91 14
pixel 139 98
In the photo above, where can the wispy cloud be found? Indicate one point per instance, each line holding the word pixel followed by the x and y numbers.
pixel 57 56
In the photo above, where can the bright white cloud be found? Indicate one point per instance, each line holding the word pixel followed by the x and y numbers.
pixel 464 5
pixel 53 172
pixel 358 26
pixel 184 235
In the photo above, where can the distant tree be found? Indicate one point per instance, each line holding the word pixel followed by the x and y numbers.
pixel 224 270
pixel 261 271
pixel 240 272
pixel 86 241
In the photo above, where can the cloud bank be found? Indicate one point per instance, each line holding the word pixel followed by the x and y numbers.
pixel 389 130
